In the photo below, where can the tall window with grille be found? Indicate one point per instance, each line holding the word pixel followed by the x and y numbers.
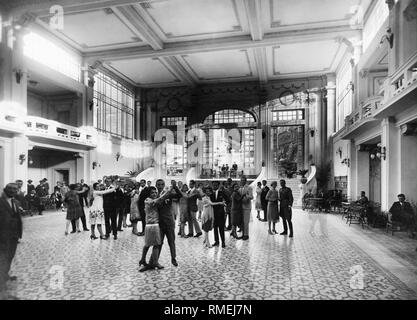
pixel 248 148
pixel 114 107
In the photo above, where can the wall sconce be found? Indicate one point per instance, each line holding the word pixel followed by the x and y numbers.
pixel 91 105
pixel 312 132
pixel 339 151
pixel 379 153
pixel 18 74
pixel 22 158
pixel 30 161
pixel 346 161
pixel 389 36
pixel 118 156
pixel 96 164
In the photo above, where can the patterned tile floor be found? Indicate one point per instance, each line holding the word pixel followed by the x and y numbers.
pixel 313 265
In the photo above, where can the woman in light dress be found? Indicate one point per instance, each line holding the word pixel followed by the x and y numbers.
pixel 152 230
pixel 258 203
pixel 207 218
pixel 134 209
pixel 273 210
pixel 200 201
pixel 96 209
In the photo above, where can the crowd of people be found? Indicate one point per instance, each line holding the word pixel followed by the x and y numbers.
pixel 156 210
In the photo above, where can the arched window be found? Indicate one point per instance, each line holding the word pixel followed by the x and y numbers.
pixel 230 116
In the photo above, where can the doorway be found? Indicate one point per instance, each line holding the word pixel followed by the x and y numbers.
pixel 62 175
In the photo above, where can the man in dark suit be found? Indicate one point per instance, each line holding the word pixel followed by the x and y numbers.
pixel 219 213
pixel 145 191
pixel 264 202
pixel 110 215
pixel 285 207
pixel 402 211
pixel 166 219
pixel 10 233
pixel 194 194
pixel 118 204
pixel 83 219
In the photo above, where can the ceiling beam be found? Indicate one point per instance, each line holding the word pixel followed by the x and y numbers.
pixel 253 12
pixel 231 43
pixel 42 7
pixel 176 68
pixel 261 64
pixel 137 24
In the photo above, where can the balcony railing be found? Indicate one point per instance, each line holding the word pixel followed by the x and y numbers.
pixel 366 112
pixel 403 79
pixel 54 130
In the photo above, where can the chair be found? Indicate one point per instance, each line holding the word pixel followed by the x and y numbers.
pixel 392 225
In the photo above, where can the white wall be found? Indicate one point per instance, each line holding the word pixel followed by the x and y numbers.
pixel 132 153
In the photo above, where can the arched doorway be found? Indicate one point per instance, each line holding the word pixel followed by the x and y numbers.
pixel 231 148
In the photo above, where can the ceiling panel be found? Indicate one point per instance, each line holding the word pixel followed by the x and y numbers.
pixel 304 57
pixel 97 28
pixel 284 12
pixel 146 71
pixel 220 64
pixel 179 18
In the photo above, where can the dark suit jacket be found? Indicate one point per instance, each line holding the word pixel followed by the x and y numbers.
pixel 401 212
pixel 166 218
pixel 10 222
pixel 109 200
pixel 144 194
pixel 286 199
pixel 219 210
pixel 264 192
pixel 192 200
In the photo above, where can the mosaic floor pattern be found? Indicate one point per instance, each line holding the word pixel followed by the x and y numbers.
pixel 320 262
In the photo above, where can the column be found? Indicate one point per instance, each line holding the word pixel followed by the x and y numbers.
pixel 331 105
pixel 317 127
pixel 362 172
pixel 13 93
pixel 390 167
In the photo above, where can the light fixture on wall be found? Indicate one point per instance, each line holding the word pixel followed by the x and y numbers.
pixel 379 152
pixel 91 105
pixel 30 160
pixel 118 156
pixel 339 151
pixel 95 165
pixel 18 74
pixel 346 161
pixel 312 132
pixel 389 36
pixel 22 158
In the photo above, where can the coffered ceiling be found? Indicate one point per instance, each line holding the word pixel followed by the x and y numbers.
pixel 189 42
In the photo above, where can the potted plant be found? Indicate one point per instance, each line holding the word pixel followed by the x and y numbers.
pixel 302 173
